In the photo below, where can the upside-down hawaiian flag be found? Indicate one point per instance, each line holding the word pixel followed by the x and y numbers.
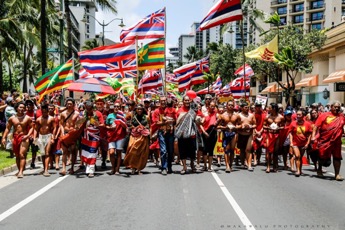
pixel 106 61
pixel 152 79
pixel 246 69
pixel 222 12
pixel 152 26
pixel 239 87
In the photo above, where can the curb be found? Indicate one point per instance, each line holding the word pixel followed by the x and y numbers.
pixel 12 168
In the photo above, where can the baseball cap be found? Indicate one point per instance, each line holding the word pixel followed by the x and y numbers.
pixel 287 112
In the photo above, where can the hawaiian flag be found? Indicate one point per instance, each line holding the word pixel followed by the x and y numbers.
pixel 116 60
pixel 192 73
pixel 217 84
pixel 202 66
pixel 246 69
pixel 152 26
pixel 171 78
pixel 225 91
pixel 222 12
pixel 83 73
pixel 152 79
pixel 205 91
pixel 122 68
pixel 240 87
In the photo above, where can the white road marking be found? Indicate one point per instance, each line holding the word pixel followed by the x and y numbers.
pixel 24 202
pixel 244 219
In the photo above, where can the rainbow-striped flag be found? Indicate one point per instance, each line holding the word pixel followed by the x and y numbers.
pixel 151 56
pixel 56 79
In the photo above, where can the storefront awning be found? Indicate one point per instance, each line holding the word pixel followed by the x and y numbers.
pixel 308 81
pixel 335 77
pixel 269 89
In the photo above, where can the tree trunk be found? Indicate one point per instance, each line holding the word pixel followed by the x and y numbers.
pixel 43 37
pixel 25 70
pixel 69 29
pixel 1 73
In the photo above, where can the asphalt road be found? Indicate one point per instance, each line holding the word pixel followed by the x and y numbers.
pixel 239 200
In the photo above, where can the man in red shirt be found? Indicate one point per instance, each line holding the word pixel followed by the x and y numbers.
pixel 103 145
pixel 330 126
pixel 159 125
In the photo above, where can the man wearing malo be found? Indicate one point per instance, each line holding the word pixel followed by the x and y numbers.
pixel 22 131
pixel 245 134
pixel 45 127
pixel 68 121
pixel 228 123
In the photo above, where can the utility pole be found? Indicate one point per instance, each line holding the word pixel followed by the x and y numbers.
pixel 43 37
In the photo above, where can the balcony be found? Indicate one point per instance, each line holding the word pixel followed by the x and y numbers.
pixel 279 2
pixel 316 7
pixel 296 1
pixel 313 19
pixel 293 11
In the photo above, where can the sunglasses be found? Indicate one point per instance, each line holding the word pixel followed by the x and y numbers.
pixel 117 106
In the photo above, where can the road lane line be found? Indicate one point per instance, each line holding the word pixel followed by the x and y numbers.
pixel 24 202
pixel 244 219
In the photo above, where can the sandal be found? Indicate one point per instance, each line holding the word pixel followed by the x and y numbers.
pixel 62 173
pixel 183 172
pixel 339 178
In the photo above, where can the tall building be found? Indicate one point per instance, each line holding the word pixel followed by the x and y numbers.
pixel 309 14
pixel 87 25
pixel 184 41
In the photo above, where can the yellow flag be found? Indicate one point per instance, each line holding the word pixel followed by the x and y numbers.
pixel 265 52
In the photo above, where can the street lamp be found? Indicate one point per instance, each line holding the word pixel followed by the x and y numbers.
pixel 103 24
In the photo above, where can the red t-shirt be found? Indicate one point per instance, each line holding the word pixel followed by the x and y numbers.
pixel 210 119
pixel 260 119
pixel 157 116
pixel 300 133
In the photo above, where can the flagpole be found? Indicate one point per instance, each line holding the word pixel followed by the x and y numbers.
pixel 136 56
pixel 165 47
pixel 244 60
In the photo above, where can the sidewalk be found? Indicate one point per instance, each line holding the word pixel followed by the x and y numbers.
pixel 13 167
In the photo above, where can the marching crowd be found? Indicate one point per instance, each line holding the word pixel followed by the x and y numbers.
pixel 168 131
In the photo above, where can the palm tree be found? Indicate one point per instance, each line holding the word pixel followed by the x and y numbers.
pixel 193 54
pixel 90 44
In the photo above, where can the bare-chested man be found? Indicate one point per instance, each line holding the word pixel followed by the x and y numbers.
pixel 274 122
pixel 245 135
pixel 22 131
pixel 45 126
pixel 55 146
pixel 68 121
pixel 228 123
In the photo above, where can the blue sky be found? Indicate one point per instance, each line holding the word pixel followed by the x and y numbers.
pixel 180 16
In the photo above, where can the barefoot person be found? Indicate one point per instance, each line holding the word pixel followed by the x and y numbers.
pixel 273 124
pixel 22 125
pixel 330 126
pixel 68 121
pixel 245 134
pixel 228 123
pixel 45 127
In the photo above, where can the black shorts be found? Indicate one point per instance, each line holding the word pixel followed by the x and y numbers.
pixel 242 141
pixel 187 148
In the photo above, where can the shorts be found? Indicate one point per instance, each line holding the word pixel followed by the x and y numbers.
pixel 227 137
pixel 118 145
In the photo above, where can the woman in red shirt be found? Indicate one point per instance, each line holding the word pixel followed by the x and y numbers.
pixel 300 134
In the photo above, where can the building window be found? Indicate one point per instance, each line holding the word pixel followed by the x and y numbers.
pixel 283 20
pixel 317 26
pixel 299 7
pixel 317 16
pixel 282 10
pixel 317 4
pixel 298 19
pixel 282 1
